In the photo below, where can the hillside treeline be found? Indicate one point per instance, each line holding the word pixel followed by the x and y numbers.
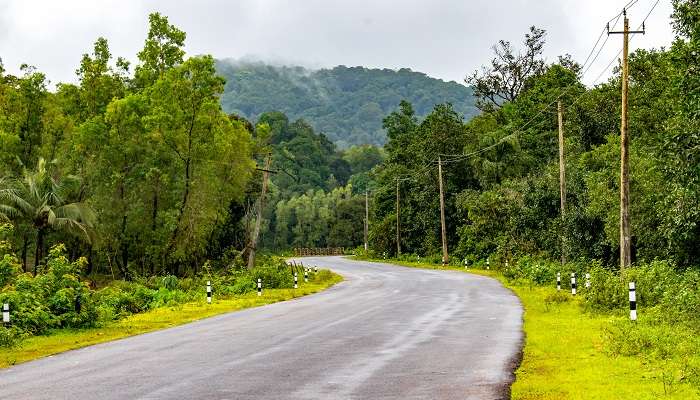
pixel 346 103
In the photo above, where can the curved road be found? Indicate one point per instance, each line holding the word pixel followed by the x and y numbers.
pixel 386 332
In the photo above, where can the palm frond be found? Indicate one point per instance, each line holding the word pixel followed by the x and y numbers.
pixel 8 212
pixel 74 227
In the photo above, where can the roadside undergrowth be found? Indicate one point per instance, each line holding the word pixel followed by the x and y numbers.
pixel 572 353
pixel 60 340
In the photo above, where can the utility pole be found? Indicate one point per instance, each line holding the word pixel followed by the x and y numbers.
pixel 625 234
pixel 261 202
pixel 562 180
pixel 445 259
pixel 398 234
pixel 366 219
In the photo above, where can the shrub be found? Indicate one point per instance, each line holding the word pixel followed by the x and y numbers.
pixel 361 253
pixel 170 282
pixel 323 275
pixel 10 337
pixel 607 291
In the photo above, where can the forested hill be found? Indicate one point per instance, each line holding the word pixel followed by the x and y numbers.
pixel 346 104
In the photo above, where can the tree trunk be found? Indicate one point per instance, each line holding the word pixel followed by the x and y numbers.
pixel 25 245
pixel 186 194
pixel 39 249
pixel 89 261
pixel 154 214
pixel 181 212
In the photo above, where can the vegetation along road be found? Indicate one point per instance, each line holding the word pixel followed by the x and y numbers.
pixel 385 332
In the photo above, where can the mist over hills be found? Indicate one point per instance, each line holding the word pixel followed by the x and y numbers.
pixel 347 104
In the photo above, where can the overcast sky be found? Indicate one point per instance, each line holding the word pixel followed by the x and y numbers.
pixel 444 38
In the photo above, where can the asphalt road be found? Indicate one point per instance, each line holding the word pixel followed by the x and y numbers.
pixel 386 332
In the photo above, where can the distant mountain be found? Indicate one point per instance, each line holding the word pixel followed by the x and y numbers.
pixel 346 104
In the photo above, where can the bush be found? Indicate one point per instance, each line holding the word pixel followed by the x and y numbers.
pixel 607 291
pixel 10 337
pixel 361 253
pixel 57 298
pixel 171 282
pixel 323 275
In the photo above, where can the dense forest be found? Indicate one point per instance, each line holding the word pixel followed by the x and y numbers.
pixel 501 172
pixel 345 103
pixel 128 190
pixel 142 172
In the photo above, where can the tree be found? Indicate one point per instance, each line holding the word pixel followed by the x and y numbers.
pixel 162 51
pixel 210 158
pixel 509 72
pixel 42 201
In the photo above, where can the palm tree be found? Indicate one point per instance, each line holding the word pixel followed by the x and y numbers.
pixel 6 211
pixel 40 200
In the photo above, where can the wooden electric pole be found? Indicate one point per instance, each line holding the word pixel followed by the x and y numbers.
pixel 445 259
pixel 398 234
pixel 562 180
pixel 366 219
pixel 261 202
pixel 625 234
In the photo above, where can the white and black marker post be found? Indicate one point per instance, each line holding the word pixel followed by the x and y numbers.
pixel 488 263
pixel 633 302
pixel 259 287
pixel 296 286
pixel 573 283
pixel 208 292
pixel 315 269
pixel 6 314
pixel 558 281
pixel 306 275
pixel 588 281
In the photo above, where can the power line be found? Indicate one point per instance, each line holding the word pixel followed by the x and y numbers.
pixel 459 157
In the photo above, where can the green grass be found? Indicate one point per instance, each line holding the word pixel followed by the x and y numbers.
pixel 566 356
pixel 62 340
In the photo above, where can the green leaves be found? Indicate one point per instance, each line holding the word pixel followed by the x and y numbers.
pixel 162 51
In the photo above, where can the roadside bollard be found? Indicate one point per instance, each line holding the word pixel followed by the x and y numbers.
pixel 488 263
pixel 573 283
pixel 208 292
pixel 306 275
pixel 384 255
pixel 296 286
pixel 315 269
pixel 633 302
pixel 466 263
pixel 6 314
pixel 588 281
pixel 558 281
pixel 259 287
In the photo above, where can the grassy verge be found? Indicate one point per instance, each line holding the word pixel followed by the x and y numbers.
pixel 566 355
pixel 160 318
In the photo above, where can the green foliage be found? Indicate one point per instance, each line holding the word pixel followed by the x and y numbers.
pixel 501 173
pixel 57 298
pixel 347 104
pixel 319 219
pixel 323 275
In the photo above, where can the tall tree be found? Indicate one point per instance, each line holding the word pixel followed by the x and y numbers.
pixel 509 71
